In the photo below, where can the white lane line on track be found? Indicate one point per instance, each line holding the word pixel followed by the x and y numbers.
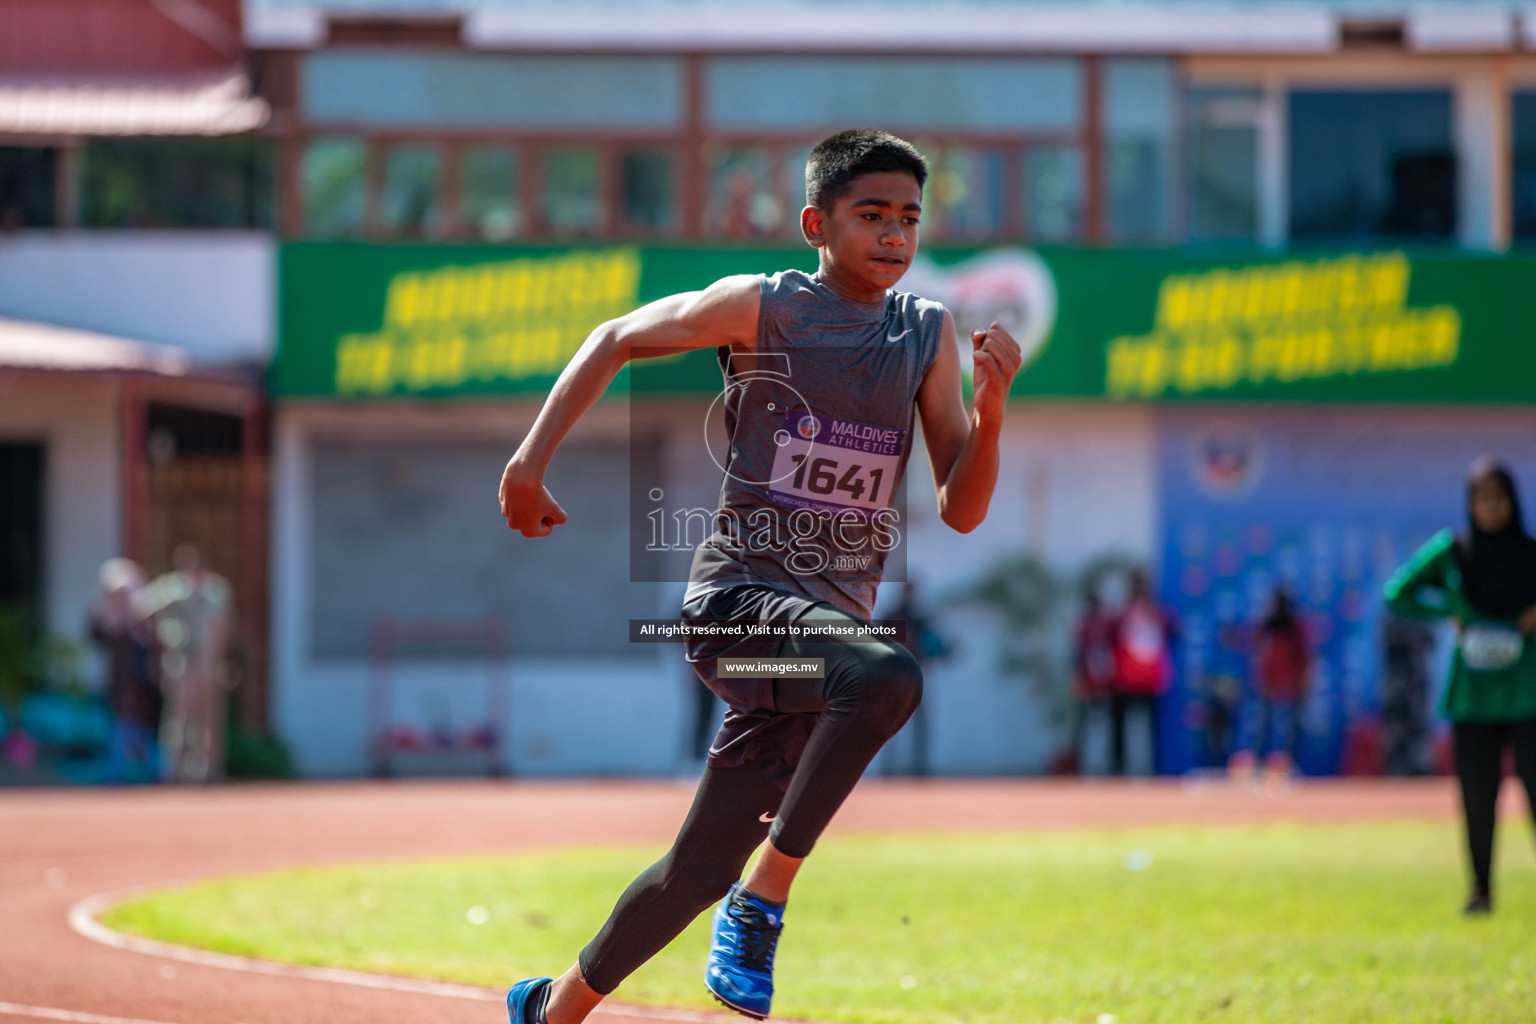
pixel 49 1013
pixel 83 919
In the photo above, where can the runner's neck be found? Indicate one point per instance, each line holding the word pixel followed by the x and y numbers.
pixel 828 279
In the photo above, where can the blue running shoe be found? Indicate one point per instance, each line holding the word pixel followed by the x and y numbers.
pixel 740 970
pixel 525 1003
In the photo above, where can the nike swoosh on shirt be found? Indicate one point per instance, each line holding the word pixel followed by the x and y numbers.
pixel 897 337
pixel 765 816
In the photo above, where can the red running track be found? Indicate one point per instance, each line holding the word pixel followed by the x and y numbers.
pixel 61 847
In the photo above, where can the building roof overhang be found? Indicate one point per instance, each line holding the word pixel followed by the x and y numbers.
pixel 99 104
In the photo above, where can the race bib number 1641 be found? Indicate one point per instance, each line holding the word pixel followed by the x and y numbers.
pixel 830 464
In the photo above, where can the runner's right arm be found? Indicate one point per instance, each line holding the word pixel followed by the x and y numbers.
pixel 725 313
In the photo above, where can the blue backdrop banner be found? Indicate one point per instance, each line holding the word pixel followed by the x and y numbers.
pixel 1326 506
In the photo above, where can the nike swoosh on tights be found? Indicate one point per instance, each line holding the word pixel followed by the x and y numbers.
pixel 765 816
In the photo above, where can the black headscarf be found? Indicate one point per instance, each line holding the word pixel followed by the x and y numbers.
pixel 1282 615
pixel 1498 570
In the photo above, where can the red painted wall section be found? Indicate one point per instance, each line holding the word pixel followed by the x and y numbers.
pixel 131 36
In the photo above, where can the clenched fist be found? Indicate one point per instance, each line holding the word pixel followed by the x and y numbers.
pixel 996 359
pixel 526 504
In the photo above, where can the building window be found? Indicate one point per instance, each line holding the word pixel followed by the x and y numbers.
pixel 424 145
pixel 468 90
pixel 1371 164
pixel 1224 163
pixel 334 187
pixel 28 187
pixel 572 203
pixel 646 195
pixel 1054 193
pixel 905 93
pixel 792 198
pixel 963 199
pixel 1138 145
pixel 176 183
pixel 411 206
pixel 1523 179
pixel 758 191
pixel 488 193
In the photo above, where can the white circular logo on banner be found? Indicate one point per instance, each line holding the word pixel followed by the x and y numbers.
pixel 1012 287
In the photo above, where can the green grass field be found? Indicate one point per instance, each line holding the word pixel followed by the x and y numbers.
pixel 1283 923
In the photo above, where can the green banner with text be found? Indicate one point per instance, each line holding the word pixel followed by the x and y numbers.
pixel 363 320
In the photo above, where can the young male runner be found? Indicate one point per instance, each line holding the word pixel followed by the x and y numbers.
pixel 822 374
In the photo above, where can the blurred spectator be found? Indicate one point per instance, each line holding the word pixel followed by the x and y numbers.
pixel 1093 673
pixel 1282 667
pixel 1221 697
pixel 751 211
pixel 191 611
pixel 926 645
pixel 132 692
pixel 1485 581
pixel 1143 641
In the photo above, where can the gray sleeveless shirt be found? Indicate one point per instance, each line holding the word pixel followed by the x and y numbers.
pixel 819 428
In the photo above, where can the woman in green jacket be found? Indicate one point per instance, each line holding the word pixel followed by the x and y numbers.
pixel 1486 582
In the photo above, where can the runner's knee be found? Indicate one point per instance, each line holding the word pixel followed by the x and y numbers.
pixel 883 687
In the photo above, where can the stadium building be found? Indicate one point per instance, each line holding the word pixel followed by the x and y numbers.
pixel 1266 259
pixel 136 289
pixel 1260 254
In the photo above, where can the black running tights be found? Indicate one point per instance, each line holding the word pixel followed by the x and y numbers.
pixel 868 693
pixel 1480 750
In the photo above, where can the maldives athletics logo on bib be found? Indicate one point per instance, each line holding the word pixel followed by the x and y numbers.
pixel 831 465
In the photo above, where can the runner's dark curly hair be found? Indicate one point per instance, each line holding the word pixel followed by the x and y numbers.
pixel 840 158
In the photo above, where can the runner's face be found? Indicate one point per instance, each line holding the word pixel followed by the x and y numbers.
pixel 870 235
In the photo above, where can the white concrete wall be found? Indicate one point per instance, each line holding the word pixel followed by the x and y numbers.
pixel 1076 482
pixel 566 716
pixel 76 420
pixel 212 293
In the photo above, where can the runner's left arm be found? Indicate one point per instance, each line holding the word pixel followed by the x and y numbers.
pixel 962 447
